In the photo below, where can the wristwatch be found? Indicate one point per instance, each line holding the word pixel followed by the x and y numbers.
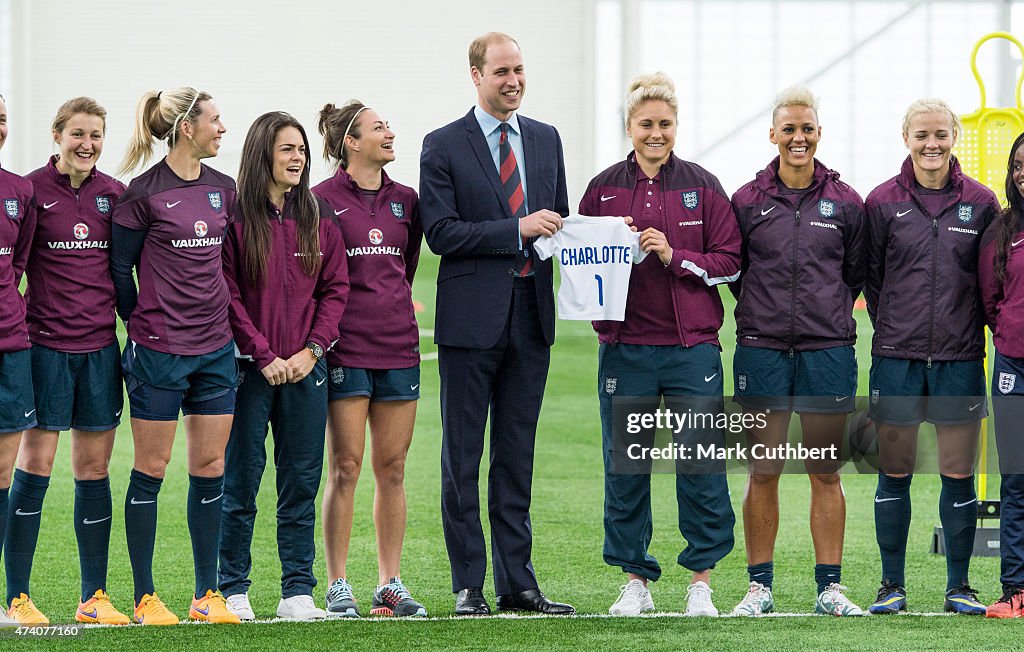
pixel 318 351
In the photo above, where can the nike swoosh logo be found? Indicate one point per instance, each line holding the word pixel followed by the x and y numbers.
pixel 140 502
pixel 321 381
pixel 603 198
pixel 21 513
pixel 47 207
pixel 973 500
pixel 1014 244
pixel 205 612
pixel 898 214
pixel 768 211
pixel 974 407
pixel 212 500
pixel 118 413
pixel 708 379
pixel 840 399
pixel 170 205
pixel 885 500
pixel 86 521
pixel 88 614
pixel 29 413
pixel 413 387
pixel 340 212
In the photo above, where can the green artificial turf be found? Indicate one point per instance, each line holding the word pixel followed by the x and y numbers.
pixel 567 510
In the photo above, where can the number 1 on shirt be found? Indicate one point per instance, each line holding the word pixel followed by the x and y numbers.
pixel 600 289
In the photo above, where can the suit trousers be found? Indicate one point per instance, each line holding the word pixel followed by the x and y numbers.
pixel 507 381
pixel 298 415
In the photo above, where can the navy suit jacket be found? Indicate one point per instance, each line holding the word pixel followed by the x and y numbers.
pixel 467 221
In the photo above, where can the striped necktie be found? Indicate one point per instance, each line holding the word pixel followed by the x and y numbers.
pixel 512 183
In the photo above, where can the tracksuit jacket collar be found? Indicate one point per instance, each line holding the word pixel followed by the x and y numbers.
pixel 908 181
pixel 767 179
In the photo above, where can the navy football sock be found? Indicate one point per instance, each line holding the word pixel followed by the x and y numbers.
pixel 24 515
pixel 140 529
pixel 204 510
pixel 892 525
pixel 825 574
pixel 958 513
pixel 93 515
pixel 763 574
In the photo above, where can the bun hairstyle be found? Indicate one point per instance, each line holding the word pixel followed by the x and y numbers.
pixel 85 105
pixel 337 123
pixel 932 105
pixel 158 117
pixel 656 86
pixel 795 96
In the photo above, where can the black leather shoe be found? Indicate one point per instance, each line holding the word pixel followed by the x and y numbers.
pixel 533 600
pixel 471 602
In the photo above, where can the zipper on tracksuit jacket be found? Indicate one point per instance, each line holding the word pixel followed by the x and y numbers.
pixel 931 321
pixel 793 283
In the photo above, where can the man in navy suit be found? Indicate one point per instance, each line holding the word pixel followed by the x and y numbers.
pixel 490 183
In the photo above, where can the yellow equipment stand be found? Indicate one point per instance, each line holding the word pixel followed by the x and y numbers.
pixel 982 150
pixel 984 145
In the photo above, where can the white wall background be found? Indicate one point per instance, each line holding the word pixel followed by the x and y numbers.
pixel 867 60
pixel 408 60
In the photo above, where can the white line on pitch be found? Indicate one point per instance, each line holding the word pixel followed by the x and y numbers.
pixel 434 619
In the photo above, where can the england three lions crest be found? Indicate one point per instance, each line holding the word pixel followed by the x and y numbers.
pixel 12 208
pixel 1006 382
pixel 103 204
pixel 215 200
pixel 691 199
pixel 965 212
pixel 826 208
pixel 398 209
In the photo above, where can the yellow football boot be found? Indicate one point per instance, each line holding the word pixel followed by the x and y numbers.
pixel 212 608
pixel 152 611
pixel 99 610
pixel 25 612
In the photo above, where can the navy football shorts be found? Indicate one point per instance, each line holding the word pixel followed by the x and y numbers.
pixel 822 381
pixel 17 410
pixel 77 390
pixel 161 384
pixel 907 392
pixel 376 384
